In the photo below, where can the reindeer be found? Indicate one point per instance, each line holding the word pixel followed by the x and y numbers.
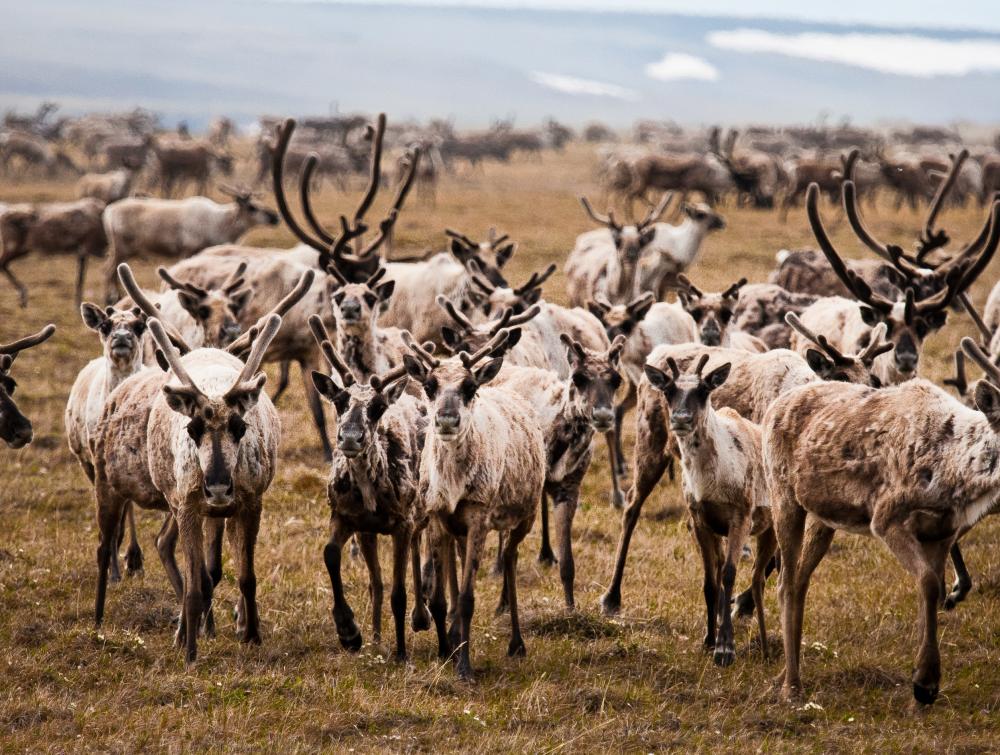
pixel 603 262
pixel 483 467
pixel 176 227
pixel 107 187
pixel 755 381
pixel 761 309
pixel 373 488
pixel 917 493
pixel 213 444
pixel 713 315
pixel 674 249
pixel 806 272
pixel 724 488
pixel 15 428
pixel 182 161
pixel 645 324
pixel 909 321
pixel 991 317
pixel 121 334
pixel 52 228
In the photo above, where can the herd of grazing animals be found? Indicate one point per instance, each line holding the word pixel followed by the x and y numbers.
pixel 466 404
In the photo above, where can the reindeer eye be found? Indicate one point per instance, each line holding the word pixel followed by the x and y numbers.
pixel 876 383
pixel 581 380
pixel 237 427
pixel 696 313
pixel 840 377
pixel 139 328
pixel 9 385
pixel 921 328
pixel 431 388
pixel 371 300
pixel 615 381
pixel 725 315
pixel 196 429
pixel 204 313
pixel 105 327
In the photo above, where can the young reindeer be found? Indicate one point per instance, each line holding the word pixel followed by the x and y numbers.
pixel 723 481
pixel 373 488
pixel 916 493
pixel 121 334
pixel 713 314
pixel 15 428
pixel 756 380
pixel 204 316
pixel 603 262
pixel 213 445
pixel 482 468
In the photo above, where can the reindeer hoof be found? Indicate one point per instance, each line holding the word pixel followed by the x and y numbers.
pixel 743 606
pixel 133 562
pixel 516 648
pixel 401 656
pixel 547 558
pixel 724 656
pixel 420 619
pixel 250 638
pixel 791 693
pixel 925 695
pixel 611 604
pixel 208 624
pixel 351 642
pixel 617 499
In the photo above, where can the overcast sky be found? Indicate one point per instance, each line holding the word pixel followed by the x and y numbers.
pixel 973 15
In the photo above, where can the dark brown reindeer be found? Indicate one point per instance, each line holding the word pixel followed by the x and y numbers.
pixel 483 468
pixel 372 489
pixel 15 428
pixel 917 493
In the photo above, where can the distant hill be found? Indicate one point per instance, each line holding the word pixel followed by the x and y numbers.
pixel 194 60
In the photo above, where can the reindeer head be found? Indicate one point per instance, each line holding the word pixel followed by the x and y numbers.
pixel 486 258
pixel 621 319
pixel 497 298
pixel 703 215
pixel 356 306
pixel 451 386
pixel 216 310
pixel 687 393
pixel 986 394
pixel 253 213
pixel 830 364
pixel 15 428
pixel 359 406
pixel 629 240
pixel 711 312
pixel 121 332
pixel 217 423
pixel 469 337
pixel 595 380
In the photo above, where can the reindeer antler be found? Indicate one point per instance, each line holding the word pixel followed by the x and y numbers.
pixel 536 280
pixel 977 319
pixel 606 220
pixel 469 361
pixel 977 355
pixel 248 339
pixel 424 352
pixel 685 285
pixel 147 307
pixel 959 382
pixel 655 212
pixel 454 313
pixel 235 280
pixel 22 344
pixel 170 353
pixel 734 290
pixel 177 285
pixel 929 237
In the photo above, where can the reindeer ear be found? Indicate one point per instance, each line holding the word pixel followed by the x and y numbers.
pixel 6 361
pixel 238 300
pixel 869 316
pixel 394 391
pixel 182 399
pixel 935 320
pixel 818 363
pixel 93 316
pixel 243 397
pixel 596 310
pixel 414 368
pixel 718 376
pixel 532 296
pixel 190 302
pixel 640 311
pixel 459 250
pixel 988 401
pixel 660 380
pixel 330 390
pixel 647 235
pixel 385 290
pixel 488 371
pixel 451 337
pixel 505 253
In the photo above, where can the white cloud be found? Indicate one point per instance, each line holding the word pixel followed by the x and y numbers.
pixel 679 65
pixel 574 85
pixel 900 54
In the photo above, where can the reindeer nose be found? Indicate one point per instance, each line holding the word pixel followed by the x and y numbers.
pixel 21 435
pixel 711 337
pixel 447 424
pixel 219 491
pixel 351 309
pixel 906 363
pixel 602 418
pixel 349 442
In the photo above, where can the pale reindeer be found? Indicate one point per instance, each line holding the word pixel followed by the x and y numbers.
pixel 372 488
pixel 603 262
pixel 917 492
pixel 723 482
pixel 213 445
pixel 15 429
pixel 713 314
pixel 482 468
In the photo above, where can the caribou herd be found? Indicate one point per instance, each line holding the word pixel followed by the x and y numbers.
pixel 467 403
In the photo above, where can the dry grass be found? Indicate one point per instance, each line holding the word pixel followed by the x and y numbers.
pixel 639 683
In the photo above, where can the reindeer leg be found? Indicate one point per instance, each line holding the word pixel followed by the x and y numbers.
pixel 725 645
pixel 498 563
pixel 22 290
pixel 166 546
pixel 133 555
pixel 564 503
pixel 397 597
pixel 925 562
pixel 315 405
pixel 343 617
pixel 442 550
pixel 214 529
pixel 420 618
pixel 108 521
pixel 81 275
pixel 650 462
pixel 516 646
pixel 195 581
pixel 285 369
pixel 710 548
pixel 616 494
pixel 369 549
pixel 963 580
pixel 743 605
pixel 545 555
pixel 475 541
pixel 116 574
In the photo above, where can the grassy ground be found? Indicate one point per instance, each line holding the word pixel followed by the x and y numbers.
pixel 637 683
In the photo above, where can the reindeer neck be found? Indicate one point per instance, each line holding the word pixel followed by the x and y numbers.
pixel 114 376
pixel 360 353
pixel 369 471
